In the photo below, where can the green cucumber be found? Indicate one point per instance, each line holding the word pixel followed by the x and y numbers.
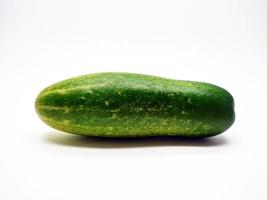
pixel 135 105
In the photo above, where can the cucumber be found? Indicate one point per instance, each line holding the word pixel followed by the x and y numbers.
pixel 135 105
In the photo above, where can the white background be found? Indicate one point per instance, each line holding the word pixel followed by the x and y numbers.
pixel 218 41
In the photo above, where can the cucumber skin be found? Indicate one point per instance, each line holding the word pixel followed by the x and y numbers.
pixel 135 105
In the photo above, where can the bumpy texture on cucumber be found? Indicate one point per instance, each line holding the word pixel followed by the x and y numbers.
pixel 135 105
